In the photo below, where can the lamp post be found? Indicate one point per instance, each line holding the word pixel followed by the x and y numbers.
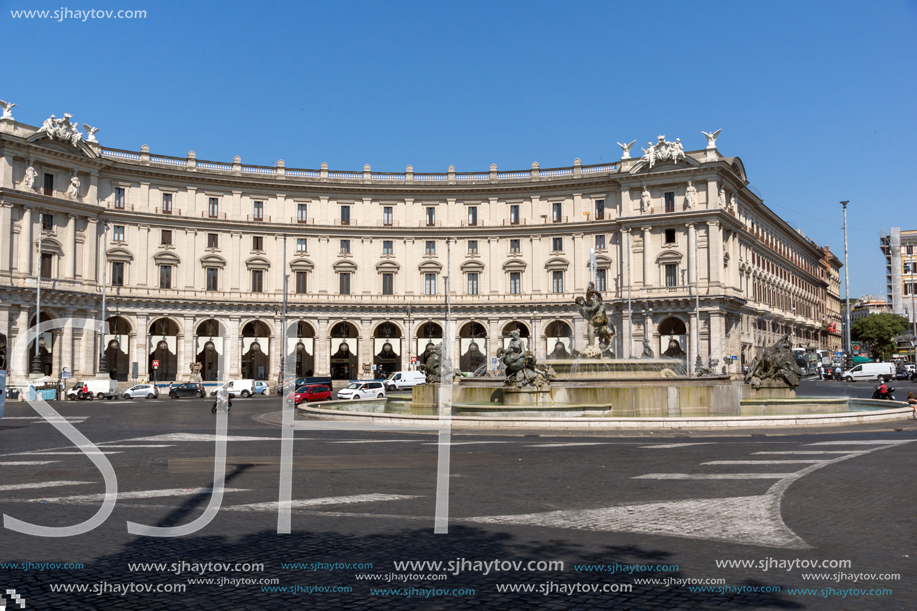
pixel 103 362
pixel 36 359
pixel 849 363
pixel 283 323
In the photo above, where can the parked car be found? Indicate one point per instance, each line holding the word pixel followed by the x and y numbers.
pixel 101 388
pixel 363 390
pixel 189 389
pixel 869 371
pixel 317 392
pixel 296 384
pixel 243 388
pixel 902 374
pixel 144 391
pixel 404 379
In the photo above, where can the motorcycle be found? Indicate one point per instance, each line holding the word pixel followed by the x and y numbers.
pixel 84 396
pixel 216 401
pixel 889 393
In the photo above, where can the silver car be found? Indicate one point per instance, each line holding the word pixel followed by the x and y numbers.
pixel 144 391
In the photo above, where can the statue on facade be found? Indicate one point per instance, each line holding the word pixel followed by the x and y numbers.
pixel 649 154
pixel 601 331
pixel 776 364
pixel 677 150
pixel 626 148
pixel 28 182
pixel 521 366
pixel 90 133
pixel 732 202
pixel 690 195
pixel 711 138
pixel 7 109
pixel 196 372
pixel 645 199
pixel 61 129
pixel 721 197
pixel 73 191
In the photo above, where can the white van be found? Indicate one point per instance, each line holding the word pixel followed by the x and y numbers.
pixel 404 379
pixel 101 388
pixel 870 371
pixel 243 388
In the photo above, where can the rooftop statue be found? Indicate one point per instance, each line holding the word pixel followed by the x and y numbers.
pixel 775 364
pixel 711 138
pixel 626 148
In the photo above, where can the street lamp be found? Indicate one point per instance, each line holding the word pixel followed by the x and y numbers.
pixel 847 289
pixel 103 362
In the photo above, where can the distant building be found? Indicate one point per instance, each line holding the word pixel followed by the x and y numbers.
pixel 900 270
pixel 832 323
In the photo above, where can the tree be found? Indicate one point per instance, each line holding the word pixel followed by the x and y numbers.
pixel 878 330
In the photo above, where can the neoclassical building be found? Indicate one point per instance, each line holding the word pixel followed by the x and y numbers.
pixel 193 256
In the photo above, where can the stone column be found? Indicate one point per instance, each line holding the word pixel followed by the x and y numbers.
pixel 25 241
pixel 233 348
pixel 6 239
pixel 70 257
pixel 493 267
pixel 536 266
pixel 90 251
pixel 139 277
pixel 66 345
pixel 277 349
pixel 693 323
pixel 649 333
pixel 235 261
pixel 365 343
pixel 141 349
pixel 626 261
pixel 322 347
pixel 692 241
pixel 20 361
pixel 579 333
pixel 579 284
pixel 494 340
pixel 189 263
pixel 717 337
pixel 647 265
pixel 714 253
pixel 92 195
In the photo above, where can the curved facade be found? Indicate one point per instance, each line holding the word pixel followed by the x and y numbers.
pixel 194 255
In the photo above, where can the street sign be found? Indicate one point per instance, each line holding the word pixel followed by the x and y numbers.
pixel 135 371
pixel 494 361
pixel 155 364
pixel 374 367
pixel 838 354
pixel 413 360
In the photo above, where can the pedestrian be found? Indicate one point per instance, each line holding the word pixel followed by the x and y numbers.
pixel 837 373
pixel 821 371
pixel 912 403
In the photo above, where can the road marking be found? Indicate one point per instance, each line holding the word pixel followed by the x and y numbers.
pixel 9 487
pixel 813 452
pixel 331 500
pixel 868 442
pixel 72 453
pixel 140 494
pixel 13 463
pixel 463 443
pixel 713 476
pixel 763 462
pixel 164 445
pixel 563 445
pixel 680 445
pixel 379 441
pixel 199 437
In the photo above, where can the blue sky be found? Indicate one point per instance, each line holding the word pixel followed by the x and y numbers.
pixel 817 98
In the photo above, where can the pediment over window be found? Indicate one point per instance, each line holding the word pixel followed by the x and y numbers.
pixel 515 265
pixel 472 266
pixel 257 263
pixel 430 267
pixel 557 264
pixel 213 261
pixel 642 166
pixel 50 245
pixel 64 147
pixel 120 254
pixel 302 265
pixel 387 267
pixel 166 258
pixel 601 261
pixel 669 256
pixel 345 265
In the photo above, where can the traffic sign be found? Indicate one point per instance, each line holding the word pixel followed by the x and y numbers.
pixel 155 364
pixel 413 359
pixel 493 360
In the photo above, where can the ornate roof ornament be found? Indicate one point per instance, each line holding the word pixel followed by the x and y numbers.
pixel 663 150
pixel 63 129
pixel 7 110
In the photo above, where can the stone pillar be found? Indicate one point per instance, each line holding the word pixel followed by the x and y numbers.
pixel 493 267
pixel 90 251
pixel 692 242
pixel 322 347
pixel 66 346
pixel 233 348
pixel 189 263
pixel 235 261
pixel 366 344
pixel 714 253
pixel 717 333
pixel 140 275
pixel 536 268
pixel 25 241
pixel 141 349
pixel 692 344
pixel 185 349
pixel 20 362
pixel 6 238
pixel 277 349
pixel 92 195
pixel 494 340
pixel 647 254
pixel 580 333
pixel 579 283
pixel 70 257
pixel 649 333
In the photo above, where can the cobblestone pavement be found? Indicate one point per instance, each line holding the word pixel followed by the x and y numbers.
pixel 739 515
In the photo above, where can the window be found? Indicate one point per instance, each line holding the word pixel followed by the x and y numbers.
pixel 909 250
pixel 166 237
pixel 213 240
pixel 430 248
pixel 669 236
pixel 601 280
pixel 165 276
pixel 600 242
pixel 671 274
pixel 431 217
pixel 429 284
pixel 345 216
pixel 514 214
pixel 119 198
pixel 557 244
pixel 301 282
pixel 117 233
pixel 514 246
pixel 345 247
pixel 49 184
pixel 117 273
pixel 515 283
pixel 47 222
pixel 47 263
pixel 167 203
pixel 557 284
pixel 557 211
pixel 472 283
pixel 301 211
pixel 213 207
pixel 257 281
pixel 213 275
pixel 301 244
pixel 472 247
pixel 599 209
pixel 388 284
pixel 387 247
pixel 387 216
pixel 473 215
pixel 258 211
pixel 257 242
pixel 670 202
pixel 345 283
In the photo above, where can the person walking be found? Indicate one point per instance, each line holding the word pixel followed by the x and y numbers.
pixel 821 371
pixel 912 403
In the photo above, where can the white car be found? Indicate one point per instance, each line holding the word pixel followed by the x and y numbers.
pixel 404 379
pixel 362 390
pixel 243 388
pixel 144 391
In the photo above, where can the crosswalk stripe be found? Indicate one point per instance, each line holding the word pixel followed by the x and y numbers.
pixel 139 494
pixel 822 452
pixel 713 476
pixel 163 445
pixel 198 437
pixel 332 500
pixel 678 445
pixel 763 462
pixel 379 441
pixel 563 445
pixel 862 442
pixel 9 487
pixel 23 463
pixel 70 453
pixel 464 443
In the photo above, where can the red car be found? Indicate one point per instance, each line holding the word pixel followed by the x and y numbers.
pixel 310 393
